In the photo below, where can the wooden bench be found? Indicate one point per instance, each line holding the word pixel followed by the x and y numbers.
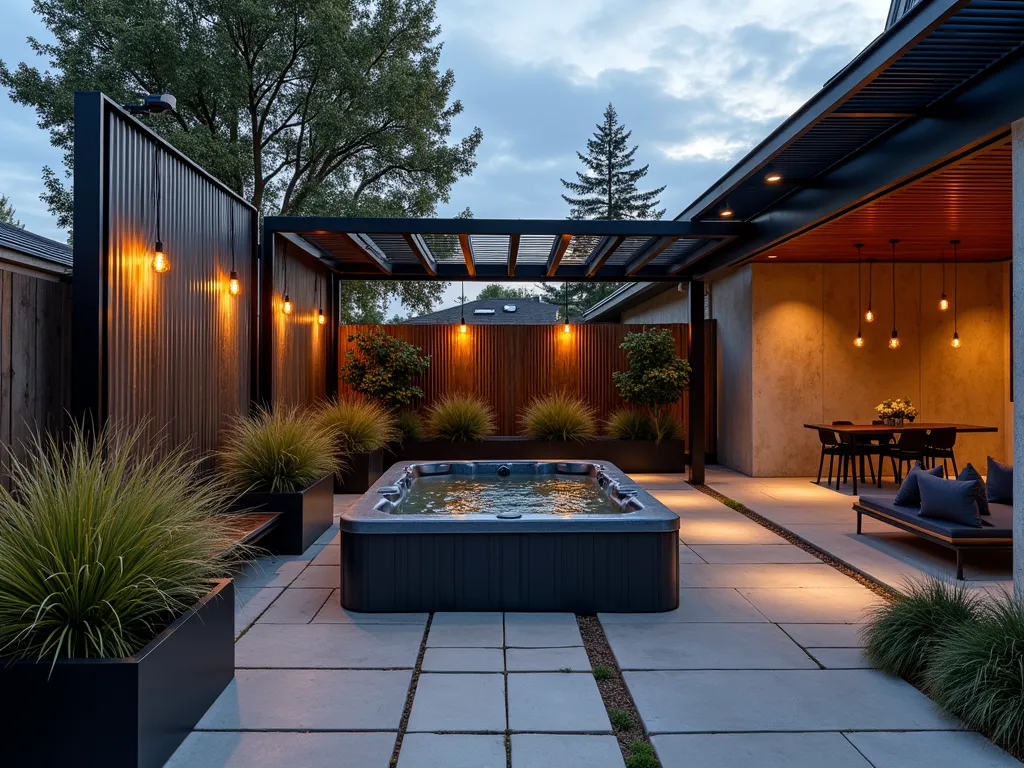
pixel 251 527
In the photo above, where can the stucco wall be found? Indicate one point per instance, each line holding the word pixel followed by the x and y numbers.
pixel 805 367
pixel 672 306
pixel 731 308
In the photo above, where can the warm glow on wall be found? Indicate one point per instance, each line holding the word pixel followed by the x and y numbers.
pixel 161 263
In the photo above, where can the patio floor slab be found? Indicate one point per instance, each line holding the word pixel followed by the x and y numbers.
pixel 556 703
pixel 329 646
pixel 309 750
pixel 753 553
pixel 319 576
pixel 541 750
pixel 541 630
pixel 547 660
pixel 801 700
pixel 695 605
pixel 712 529
pixel 452 750
pixel 841 658
pixel 757 750
pixel 309 699
pixel 333 613
pixel 295 606
pixel 705 646
pixel 468 702
pixel 250 602
pixel 330 556
pixel 463 660
pixel 844 605
pixel 467 630
pixel 763 576
pixel 931 750
pixel 826 635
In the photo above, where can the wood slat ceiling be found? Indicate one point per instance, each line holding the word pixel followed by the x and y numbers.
pixel 969 200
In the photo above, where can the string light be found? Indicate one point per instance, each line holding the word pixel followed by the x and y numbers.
pixel 894 340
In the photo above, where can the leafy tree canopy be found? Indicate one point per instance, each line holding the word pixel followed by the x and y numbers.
pixel 7 213
pixel 384 368
pixel 500 291
pixel 608 187
pixel 311 107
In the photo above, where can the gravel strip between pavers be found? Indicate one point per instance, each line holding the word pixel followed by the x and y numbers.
pixel 614 692
pixel 879 588
pixel 407 710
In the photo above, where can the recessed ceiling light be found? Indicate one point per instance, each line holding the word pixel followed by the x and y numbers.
pixel 773 178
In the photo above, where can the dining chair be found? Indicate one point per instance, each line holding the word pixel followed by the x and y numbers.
pixel 853 452
pixel 911 447
pixel 829 447
pixel 939 445
pixel 884 441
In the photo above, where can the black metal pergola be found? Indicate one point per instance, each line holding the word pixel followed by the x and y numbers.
pixel 510 249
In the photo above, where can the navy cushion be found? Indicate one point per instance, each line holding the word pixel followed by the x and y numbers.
pixel 981 492
pixel 908 495
pixel 952 500
pixel 1000 482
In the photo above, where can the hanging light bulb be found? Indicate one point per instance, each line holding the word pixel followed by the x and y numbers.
pixel 944 303
pixel 869 316
pixel 160 262
pixel 859 341
pixel 894 340
pixel 462 310
pixel 943 300
pixel 287 306
pixel 234 287
pixel 320 317
pixel 955 341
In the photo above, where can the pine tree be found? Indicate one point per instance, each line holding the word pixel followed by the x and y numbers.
pixel 608 189
pixel 7 213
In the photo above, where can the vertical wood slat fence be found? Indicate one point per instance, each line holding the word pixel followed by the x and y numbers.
pixel 35 361
pixel 508 365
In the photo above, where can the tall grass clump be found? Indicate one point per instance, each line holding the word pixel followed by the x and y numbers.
pixel 977 673
pixel 630 424
pixel 460 418
pixel 410 425
pixel 105 541
pixel 902 635
pixel 278 451
pixel 359 426
pixel 668 426
pixel 559 416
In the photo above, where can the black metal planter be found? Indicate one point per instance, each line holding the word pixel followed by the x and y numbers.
pixel 640 456
pixel 120 713
pixel 361 471
pixel 304 515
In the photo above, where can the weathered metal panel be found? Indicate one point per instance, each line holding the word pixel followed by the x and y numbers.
pixel 178 344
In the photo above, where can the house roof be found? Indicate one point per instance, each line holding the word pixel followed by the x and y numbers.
pixel 493 312
pixel 610 308
pixel 32 250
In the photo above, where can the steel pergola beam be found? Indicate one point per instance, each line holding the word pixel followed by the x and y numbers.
pixel 558 249
pixel 467 254
pixel 372 253
pixel 513 253
pixel 422 252
pixel 602 253
pixel 648 253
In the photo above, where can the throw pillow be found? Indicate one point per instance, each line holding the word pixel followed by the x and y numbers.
pixel 1000 482
pixel 908 495
pixel 981 493
pixel 951 500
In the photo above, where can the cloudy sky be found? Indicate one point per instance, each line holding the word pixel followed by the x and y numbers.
pixel 699 82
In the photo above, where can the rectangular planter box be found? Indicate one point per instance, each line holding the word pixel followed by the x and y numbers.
pixel 361 472
pixel 640 456
pixel 120 713
pixel 304 515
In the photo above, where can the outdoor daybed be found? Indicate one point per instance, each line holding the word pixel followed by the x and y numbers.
pixel 996 531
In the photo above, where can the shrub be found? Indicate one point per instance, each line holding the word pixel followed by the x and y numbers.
pixel 360 426
pixel 657 376
pixel 977 673
pixel 601 672
pixel 105 542
pixel 383 369
pixel 630 424
pixel 641 756
pixel 901 636
pixel 410 425
pixel 621 721
pixel 559 416
pixel 460 417
pixel 278 451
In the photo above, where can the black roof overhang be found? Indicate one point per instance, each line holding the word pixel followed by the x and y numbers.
pixel 502 249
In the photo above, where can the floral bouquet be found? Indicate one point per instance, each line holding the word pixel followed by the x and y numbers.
pixel 895 411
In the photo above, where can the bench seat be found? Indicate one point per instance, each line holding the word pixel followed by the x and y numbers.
pixel 996 531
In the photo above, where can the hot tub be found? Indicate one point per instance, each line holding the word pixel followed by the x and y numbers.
pixel 575 536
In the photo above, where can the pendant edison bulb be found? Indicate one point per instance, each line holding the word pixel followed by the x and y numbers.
pixel 869 316
pixel 566 328
pixel 234 286
pixel 955 343
pixel 894 342
pixel 944 303
pixel 859 341
pixel 320 317
pixel 287 306
pixel 160 262
pixel 462 327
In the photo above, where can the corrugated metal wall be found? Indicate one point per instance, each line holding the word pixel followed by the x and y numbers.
pixel 508 365
pixel 35 360
pixel 299 343
pixel 178 344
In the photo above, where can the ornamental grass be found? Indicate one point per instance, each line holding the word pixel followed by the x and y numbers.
pixel 359 426
pixel 460 417
pixel 559 417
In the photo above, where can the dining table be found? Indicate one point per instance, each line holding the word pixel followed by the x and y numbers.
pixel 864 433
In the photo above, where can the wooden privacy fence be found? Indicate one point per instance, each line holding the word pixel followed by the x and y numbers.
pixel 508 365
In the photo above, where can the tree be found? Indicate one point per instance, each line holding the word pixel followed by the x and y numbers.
pixel 582 296
pixel 7 213
pixel 608 188
pixel 309 107
pixel 499 291
pixel 657 376
pixel 383 368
